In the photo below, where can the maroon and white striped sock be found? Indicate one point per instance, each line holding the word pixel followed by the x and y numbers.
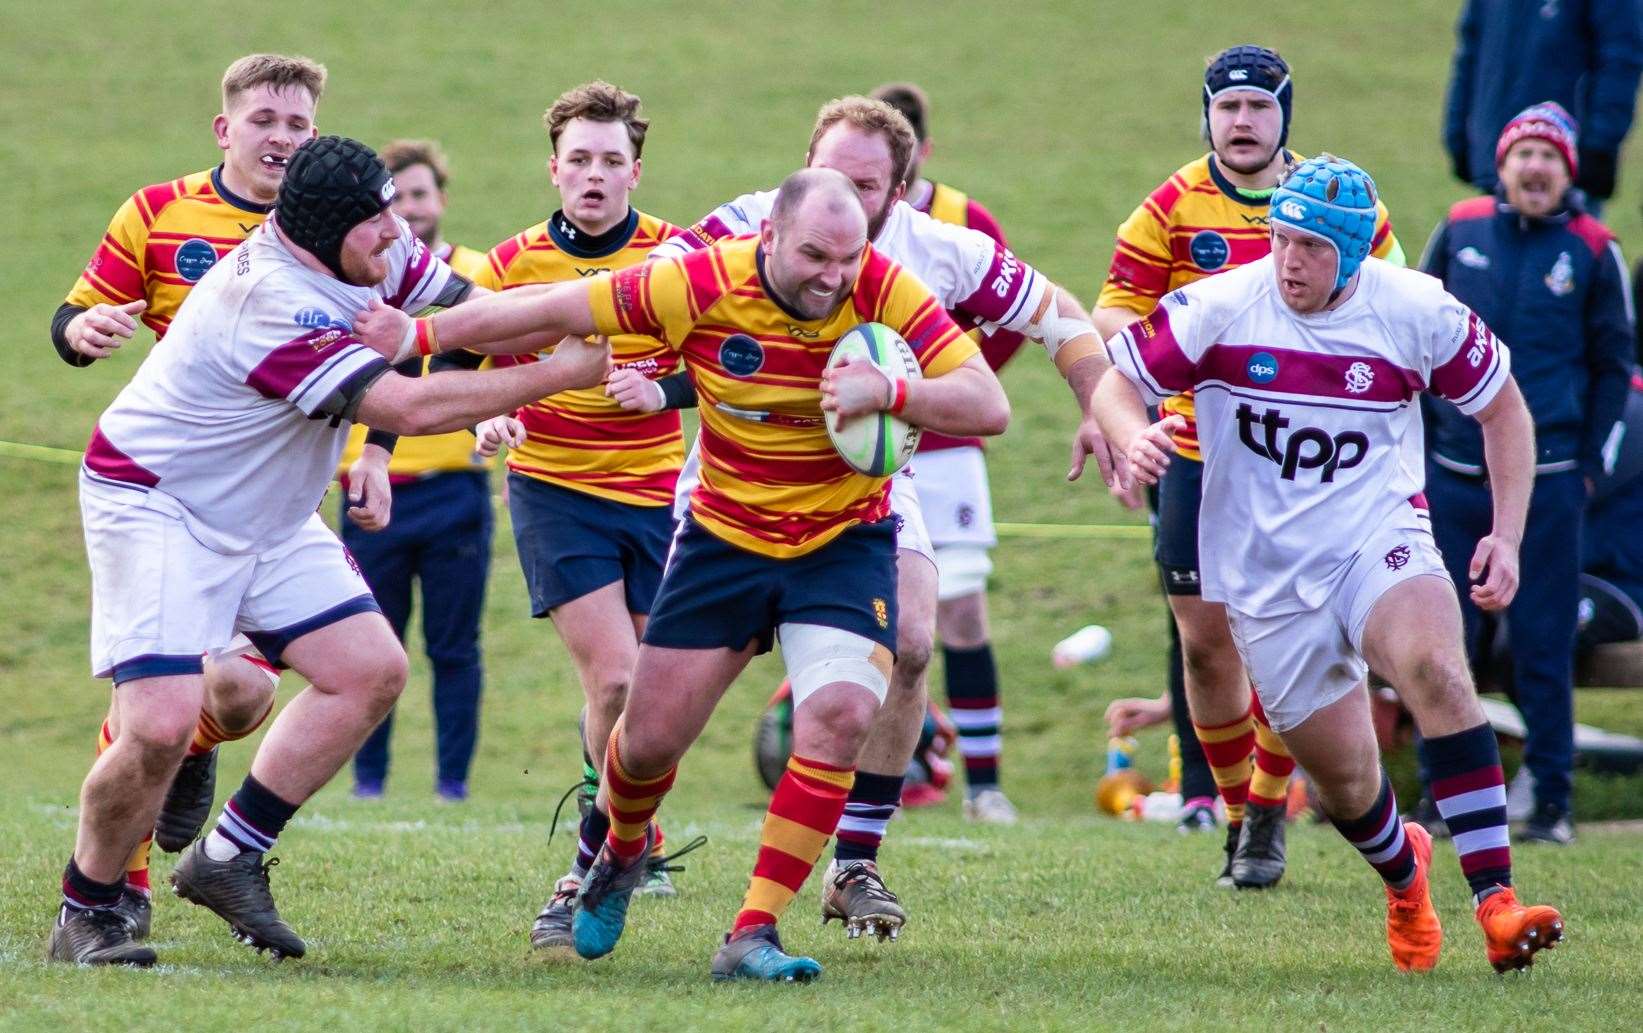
pixel 1378 835
pixel 1470 791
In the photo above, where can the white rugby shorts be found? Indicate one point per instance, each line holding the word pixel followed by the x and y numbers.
pixel 911 533
pixel 958 509
pixel 1303 662
pixel 160 599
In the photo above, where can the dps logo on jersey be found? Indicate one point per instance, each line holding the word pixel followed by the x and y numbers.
pixel 1307 448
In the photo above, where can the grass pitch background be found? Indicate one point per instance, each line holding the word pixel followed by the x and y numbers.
pixel 1060 117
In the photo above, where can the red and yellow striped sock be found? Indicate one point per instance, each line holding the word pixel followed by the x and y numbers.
pixel 137 866
pixel 1269 784
pixel 633 803
pixel 804 811
pixel 208 733
pixel 1227 748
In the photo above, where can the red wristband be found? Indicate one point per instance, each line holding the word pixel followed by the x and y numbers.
pixel 427 342
pixel 898 395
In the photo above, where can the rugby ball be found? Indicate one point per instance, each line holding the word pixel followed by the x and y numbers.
pixel 876 444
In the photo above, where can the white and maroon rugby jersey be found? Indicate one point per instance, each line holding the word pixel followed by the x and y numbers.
pixel 1310 425
pixel 234 416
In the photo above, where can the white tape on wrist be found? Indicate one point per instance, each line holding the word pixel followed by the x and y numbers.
pixel 407 344
pixel 661 396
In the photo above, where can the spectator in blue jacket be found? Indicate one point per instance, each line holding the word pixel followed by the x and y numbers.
pixel 1584 54
pixel 1549 279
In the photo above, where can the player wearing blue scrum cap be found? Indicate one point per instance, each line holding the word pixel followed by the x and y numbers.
pixel 1333 201
pixel 1208 218
pixel 1307 367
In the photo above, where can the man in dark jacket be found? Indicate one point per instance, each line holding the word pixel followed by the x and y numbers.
pixel 1584 54
pixel 1549 278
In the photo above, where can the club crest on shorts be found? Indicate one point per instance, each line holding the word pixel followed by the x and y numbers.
pixel 881 612
pixel 194 259
pixel 741 355
pixel 1398 558
pixel 1359 377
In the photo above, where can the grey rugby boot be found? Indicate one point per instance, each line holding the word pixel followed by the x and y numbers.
pixel 855 894
pixel 236 890
pixel 1258 863
pixel 96 936
pixel 138 911
pixel 552 929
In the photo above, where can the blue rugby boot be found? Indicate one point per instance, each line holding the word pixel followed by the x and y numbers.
pixel 757 953
pixel 602 902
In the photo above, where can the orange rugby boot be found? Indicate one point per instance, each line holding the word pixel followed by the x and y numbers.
pixel 1413 932
pixel 1513 933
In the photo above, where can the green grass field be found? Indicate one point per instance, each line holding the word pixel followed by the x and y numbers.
pixel 1060 116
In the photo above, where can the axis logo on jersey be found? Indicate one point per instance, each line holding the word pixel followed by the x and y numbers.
pixel 1307 448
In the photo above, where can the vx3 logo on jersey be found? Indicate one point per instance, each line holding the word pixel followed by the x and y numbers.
pixel 1308 448
pixel 799 333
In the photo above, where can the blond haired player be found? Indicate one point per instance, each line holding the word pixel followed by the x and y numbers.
pixel 1207 218
pixel 1308 367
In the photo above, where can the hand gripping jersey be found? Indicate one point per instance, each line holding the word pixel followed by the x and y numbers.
pixel 584 440
pixel 1311 424
pixel 1197 224
pixel 974 277
pixel 233 418
pixel 771 481
pixel 162 241
pixel 416 457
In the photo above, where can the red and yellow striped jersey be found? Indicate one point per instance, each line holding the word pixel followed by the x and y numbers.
pixel 1196 224
pixel 771 480
pixel 433 453
pixel 161 241
pixel 582 439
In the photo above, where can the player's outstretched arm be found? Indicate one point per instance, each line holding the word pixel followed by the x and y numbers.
pixel 456 400
pixel 1075 343
pixel 510 323
pixel 1509 452
pixel 1142 449
pixel 963 402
